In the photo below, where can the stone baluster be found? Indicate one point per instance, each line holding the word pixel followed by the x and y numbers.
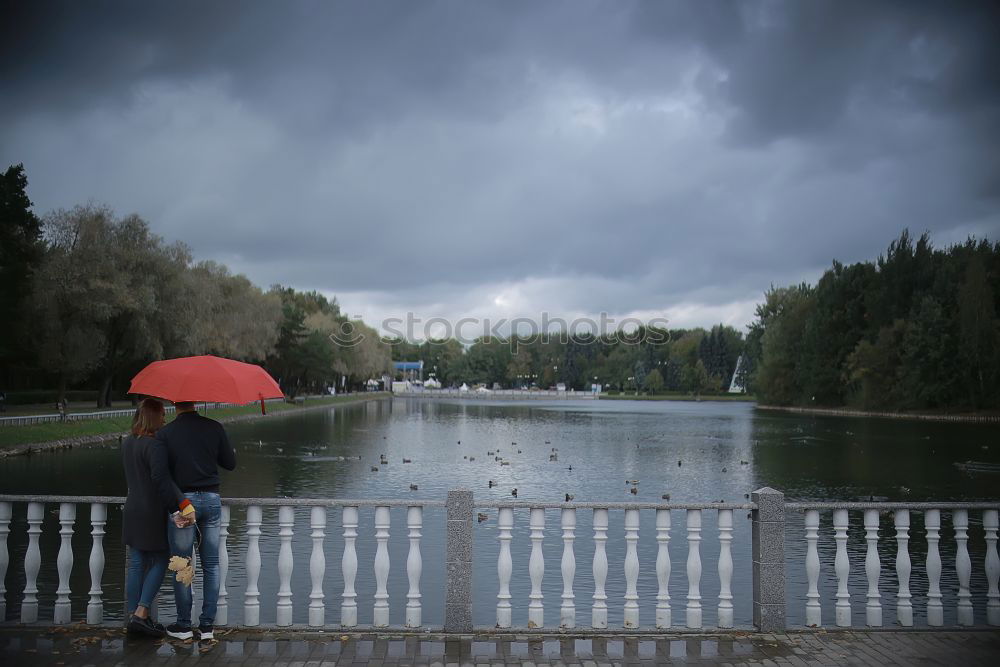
pixel 32 563
pixel 990 526
pixel 599 610
pixel 6 511
pixel 505 523
pixel 222 608
pixel 935 612
pixel 842 566
pixel 349 567
pixel 251 598
pixel 873 568
pixel 963 565
pixel 64 563
pixel 286 521
pixel 663 569
pixel 381 613
pixel 904 608
pixel 725 568
pixel 567 611
pixel 694 569
pixel 317 567
pixel 630 616
pixel 536 568
pixel 414 566
pixel 813 611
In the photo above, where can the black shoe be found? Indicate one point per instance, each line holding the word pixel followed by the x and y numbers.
pixel 179 631
pixel 206 632
pixel 145 627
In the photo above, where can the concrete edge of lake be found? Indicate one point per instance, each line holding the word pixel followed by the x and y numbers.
pixel 110 438
pixel 845 412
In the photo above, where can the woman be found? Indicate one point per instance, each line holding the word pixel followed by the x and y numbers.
pixel 152 495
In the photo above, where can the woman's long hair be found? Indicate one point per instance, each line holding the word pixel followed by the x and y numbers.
pixel 148 417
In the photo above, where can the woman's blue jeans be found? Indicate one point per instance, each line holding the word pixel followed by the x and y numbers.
pixel 145 575
pixel 208 510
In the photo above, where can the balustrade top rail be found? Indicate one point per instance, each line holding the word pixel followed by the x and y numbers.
pixel 875 505
pixel 528 504
pixel 22 420
pixel 240 502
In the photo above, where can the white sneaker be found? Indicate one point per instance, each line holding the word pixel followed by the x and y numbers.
pixel 206 634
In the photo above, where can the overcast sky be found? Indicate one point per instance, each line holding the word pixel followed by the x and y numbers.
pixel 668 159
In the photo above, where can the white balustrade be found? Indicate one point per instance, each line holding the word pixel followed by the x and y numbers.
pixel 873 568
pixel 536 568
pixel 935 612
pixel 317 567
pixel 725 568
pixel 251 598
pixel 631 612
pixel 963 565
pixel 222 608
pixel 842 566
pixel 663 569
pixel 505 523
pixel 381 613
pixel 64 563
pixel 599 610
pixel 567 611
pixel 813 610
pixel 991 522
pixel 6 511
pixel 349 567
pixel 694 569
pixel 414 566
pixel 286 521
pixel 904 608
pixel 32 563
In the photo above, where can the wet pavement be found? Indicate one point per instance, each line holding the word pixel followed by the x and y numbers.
pixel 80 645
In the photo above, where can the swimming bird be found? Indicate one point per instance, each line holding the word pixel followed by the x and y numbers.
pixel 571 467
pixel 724 470
pixel 472 458
pixel 634 490
pixel 492 483
pixel 482 517
pixel 569 497
pixel 405 460
pixel 514 493
pixel 279 450
pixel 413 487
pixel 374 468
pixel 679 463
pixel 665 496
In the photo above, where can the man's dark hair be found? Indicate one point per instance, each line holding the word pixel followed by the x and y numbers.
pixel 184 405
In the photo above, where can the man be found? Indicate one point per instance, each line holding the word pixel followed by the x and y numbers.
pixel 196 447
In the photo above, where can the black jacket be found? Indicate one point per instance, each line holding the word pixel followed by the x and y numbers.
pixel 151 494
pixel 196 447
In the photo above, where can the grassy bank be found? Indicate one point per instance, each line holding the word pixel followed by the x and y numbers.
pixel 11 436
pixel 746 398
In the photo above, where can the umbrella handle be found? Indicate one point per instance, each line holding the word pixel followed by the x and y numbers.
pixel 262 410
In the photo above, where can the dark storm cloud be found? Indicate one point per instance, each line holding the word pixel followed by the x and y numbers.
pixel 578 156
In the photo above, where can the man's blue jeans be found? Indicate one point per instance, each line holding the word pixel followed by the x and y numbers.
pixel 144 578
pixel 208 510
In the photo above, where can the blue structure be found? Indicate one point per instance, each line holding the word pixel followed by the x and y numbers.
pixel 411 370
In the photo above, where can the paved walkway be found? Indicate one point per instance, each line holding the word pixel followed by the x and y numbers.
pixel 80 646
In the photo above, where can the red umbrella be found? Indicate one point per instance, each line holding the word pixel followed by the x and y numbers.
pixel 205 378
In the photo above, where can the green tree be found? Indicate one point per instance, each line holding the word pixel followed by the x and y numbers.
pixel 21 250
pixel 653 382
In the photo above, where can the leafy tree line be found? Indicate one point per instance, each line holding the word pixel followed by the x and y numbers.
pixel 648 360
pixel 88 298
pixel 915 329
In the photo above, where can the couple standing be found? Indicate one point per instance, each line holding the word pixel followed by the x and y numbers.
pixel 172 473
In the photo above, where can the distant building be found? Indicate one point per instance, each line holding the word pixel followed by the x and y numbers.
pixel 411 371
pixel 736 386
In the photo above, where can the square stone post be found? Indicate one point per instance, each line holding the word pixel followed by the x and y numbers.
pixel 768 533
pixel 458 562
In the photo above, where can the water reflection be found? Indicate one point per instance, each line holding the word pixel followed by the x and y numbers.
pixel 691 451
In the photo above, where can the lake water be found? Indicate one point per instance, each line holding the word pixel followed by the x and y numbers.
pixel 694 451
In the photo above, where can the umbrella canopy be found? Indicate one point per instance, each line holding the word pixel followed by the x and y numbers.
pixel 205 378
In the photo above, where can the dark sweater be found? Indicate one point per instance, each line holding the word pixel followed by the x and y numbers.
pixel 196 447
pixel 151 494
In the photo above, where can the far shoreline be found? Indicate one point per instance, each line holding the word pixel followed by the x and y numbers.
pixel 103 432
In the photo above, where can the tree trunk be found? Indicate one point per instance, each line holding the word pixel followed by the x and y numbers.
pixel 62 388
pixel 104 396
